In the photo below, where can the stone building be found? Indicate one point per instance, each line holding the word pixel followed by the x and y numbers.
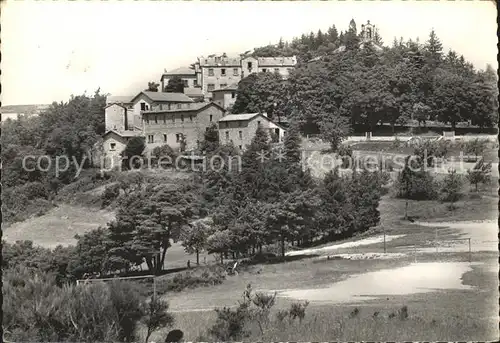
pixel 225 97
pixel 175 125
pixel 217 72
pixel 187 74
pixel 114 143
pixel 239 129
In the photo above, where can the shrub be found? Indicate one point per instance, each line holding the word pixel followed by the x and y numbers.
pixel 33 190
pixel 403 313
pixel 481 173
pixel 452 187
pixel 428 151
pixel 202 277
pixel 110 194
pixel 94 312
pixel 298 310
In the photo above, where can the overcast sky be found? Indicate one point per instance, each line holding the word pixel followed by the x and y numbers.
pixel 51 50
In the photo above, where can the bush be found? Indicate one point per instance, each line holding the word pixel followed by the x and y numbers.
pixel 202 277
pixel 110 194
pixel 428 151
pixel 94 312
pixel 452 187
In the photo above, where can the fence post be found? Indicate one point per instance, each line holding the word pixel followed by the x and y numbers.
pixel 436 240
pixel 470 254
pixel 384 242
pixel 154 287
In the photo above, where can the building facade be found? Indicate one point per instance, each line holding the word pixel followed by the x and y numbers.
pixel 225 97
pixel 177 125
pixel 239 129
pixel 114 143
pixel 217 72
pixel 186 74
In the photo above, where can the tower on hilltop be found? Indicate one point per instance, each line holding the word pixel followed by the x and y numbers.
pixel 368 32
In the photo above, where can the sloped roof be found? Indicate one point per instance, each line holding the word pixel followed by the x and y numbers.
pixel 181 71
pixel 223 61
pixel 239 117
pixel 125 133
pixel 247 117
pixel 119 99
pixel 165 97
pixel 197 106
pixel 193 92
pixel 231 88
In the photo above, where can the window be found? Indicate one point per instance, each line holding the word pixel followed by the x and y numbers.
pixel 151 138
pixel 186 84
pixel 147 107
pixel 240 133
pixel 169 107
pixel 188 105
pixel 264 70
pixel 239 146
pixel 182 117
pixel 249 65
pixel 190 117
pixel 223 85
pixel 276 70
pixel 210 87
pixel 227 135
pixel 223 72
pixel 258 122
pixel 233 95
pixel 195 83
pixel 173 118
pixel 143 106
pixel 164 119
pixel 211 117
pixel 210 72
pixel 112 146
pixel 178 137
pixel 165 138
pixel 156 119
pixel 146 118
pixel 161 107
pixel 235 71
pixel 179 106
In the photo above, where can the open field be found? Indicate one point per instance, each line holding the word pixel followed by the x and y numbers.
pixel 464 308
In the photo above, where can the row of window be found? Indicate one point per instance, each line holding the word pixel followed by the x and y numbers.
pixel 240 135
pixel 145 107
pixel 157 119
pixel 223 72
pixel 178 138
pixel 186 84
pixel 225 124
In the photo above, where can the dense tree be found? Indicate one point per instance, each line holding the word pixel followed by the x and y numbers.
pixel 152 87
pixel 175 85
pixel 194 237
pixel 260 92
pixel 481 173
pixel 132 154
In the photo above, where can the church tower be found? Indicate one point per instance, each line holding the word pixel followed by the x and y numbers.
pixel 368 32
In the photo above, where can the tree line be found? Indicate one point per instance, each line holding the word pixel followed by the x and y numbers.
pixel 368 86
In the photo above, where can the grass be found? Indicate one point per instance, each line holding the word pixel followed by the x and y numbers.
pixel 58 226
pixel 442 315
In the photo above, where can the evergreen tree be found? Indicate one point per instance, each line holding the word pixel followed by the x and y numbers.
pixel 292 143
pixel 434 49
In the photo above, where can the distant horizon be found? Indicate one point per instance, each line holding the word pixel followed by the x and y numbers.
pixel 50 51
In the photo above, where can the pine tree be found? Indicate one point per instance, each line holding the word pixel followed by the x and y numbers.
pixel 292 143
pixel 434 49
